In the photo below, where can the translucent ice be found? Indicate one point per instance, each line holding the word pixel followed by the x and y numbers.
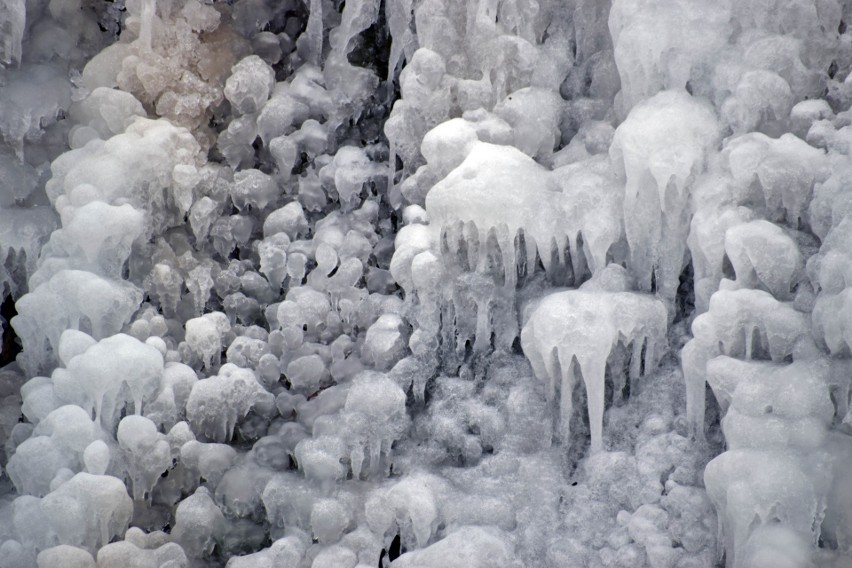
pixel 249 85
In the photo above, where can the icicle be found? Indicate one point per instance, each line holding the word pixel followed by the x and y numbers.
pixel 531 248
pixel 546 255
pixel 146 24
pixel 566 404
pixel 471 236
pixel 356 457
pixel 561 243
pixel 619 379
pixel 507 250
pixel 550 362
pixel 314 35
pixel 419 388
pixel 694 363
pixel 483 325
pixel 482 261
pixel 375 456
pixel 636 359
pixel 594 377
pixel 749 338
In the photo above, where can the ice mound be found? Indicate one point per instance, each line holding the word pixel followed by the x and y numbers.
pixel 285 551
pixel 106 111
pixel 778 490
pixel 204 335
pixel 124 553
pixel 785 169
pixel 112 374
pixel 199 524
pixel 88 510
pixel 175 58
pixel 578 333
pixel 34 97
pixel 469 195
pixel 375 410
pixel 408 508
pixel 661 45
pixel 472 547
pixel 249 85
pixel 759 411
pixel 109 185
pixel 74 299
pixel 230 395
pixel 64 555
pixel 24 231
pixel 748 324
pixel 147 452
pixel 763 255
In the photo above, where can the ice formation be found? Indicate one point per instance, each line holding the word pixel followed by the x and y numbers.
pixel 425 283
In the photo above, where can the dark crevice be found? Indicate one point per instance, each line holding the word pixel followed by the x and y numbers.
pixel 11 343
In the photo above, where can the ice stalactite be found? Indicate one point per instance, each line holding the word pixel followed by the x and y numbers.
pixel 662 155
pixel 579 333
pixel 13 20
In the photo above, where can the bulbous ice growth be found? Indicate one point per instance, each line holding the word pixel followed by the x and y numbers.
pixel 780 489
pixel 466 547
pixel 495 216
pixel 764 256
pixel 501 191
pixel 111 374
pixel 577 334
pixel 408 507
pixel 86 511
pixel 216 404
pixel 147 452
pixel 110 194
pixel 663 45
pixel 375 405
pixel 72 299
pixel 749 324
pixel 661 148
pixel 830 270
